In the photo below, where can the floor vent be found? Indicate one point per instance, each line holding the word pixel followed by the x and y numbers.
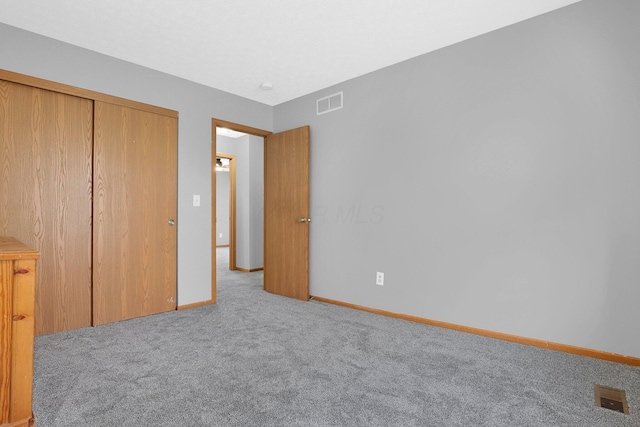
pixel 329 103
pixel 611 398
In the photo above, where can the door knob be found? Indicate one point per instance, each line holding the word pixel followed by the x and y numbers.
pixel 304 220
pixel 172 222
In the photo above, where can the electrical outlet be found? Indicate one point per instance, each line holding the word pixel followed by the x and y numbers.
pixel 380 278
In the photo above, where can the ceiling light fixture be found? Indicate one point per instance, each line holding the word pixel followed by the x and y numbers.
pixel 222 164
pixel 266 86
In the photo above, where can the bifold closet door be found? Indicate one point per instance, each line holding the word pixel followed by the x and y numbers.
pixel 45 196
pixel 134 213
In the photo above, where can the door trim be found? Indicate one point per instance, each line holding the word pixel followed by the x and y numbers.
pixel 240 128
pixel 23 79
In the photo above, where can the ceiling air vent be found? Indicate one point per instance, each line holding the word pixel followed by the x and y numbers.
pixel 329 103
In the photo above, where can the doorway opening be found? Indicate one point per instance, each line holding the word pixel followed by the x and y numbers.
pixel 238 175
pixel 225 214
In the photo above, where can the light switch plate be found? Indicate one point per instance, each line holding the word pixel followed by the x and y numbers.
pixel 196 200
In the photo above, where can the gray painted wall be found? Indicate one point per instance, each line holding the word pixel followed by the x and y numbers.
pixel 494 182
pixel 28 53
pixel 256 187
pixel 249 151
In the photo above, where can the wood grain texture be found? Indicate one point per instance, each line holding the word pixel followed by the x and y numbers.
pixel 194 305
pixel 23 323
pixel 214 207
pixel 24 423
pixel 135 196
pixel 6 304
pixel 11 249
pixel 17 308
pixel 45 184
pixel 565 348
pixel 238 127
pixel 82 93
pixel 286 200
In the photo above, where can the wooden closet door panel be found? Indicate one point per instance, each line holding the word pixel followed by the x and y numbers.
pixel 45 187
pixel 135 197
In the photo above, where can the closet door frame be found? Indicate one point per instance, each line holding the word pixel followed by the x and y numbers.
pixel 10 76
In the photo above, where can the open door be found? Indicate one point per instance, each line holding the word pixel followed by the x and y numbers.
pixel 286 213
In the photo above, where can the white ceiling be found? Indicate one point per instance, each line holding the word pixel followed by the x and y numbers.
pixel 299 46
pixel 229 133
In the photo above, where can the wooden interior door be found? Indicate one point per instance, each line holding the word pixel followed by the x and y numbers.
pixel 135 202
pixel 286 208
pixel 45 196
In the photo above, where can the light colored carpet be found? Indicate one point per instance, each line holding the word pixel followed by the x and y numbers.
pixel 256 359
